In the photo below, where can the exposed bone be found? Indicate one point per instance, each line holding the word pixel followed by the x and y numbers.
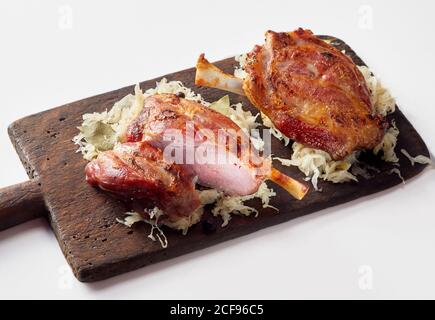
pixel 208 75
pixel 292 186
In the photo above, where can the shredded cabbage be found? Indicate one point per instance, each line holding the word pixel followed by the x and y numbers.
pixel 156 232
pixel 239 72
pixel 317 164
pixel 382 100
pixel 226 205
pixel 244 119
pixel 399 174
pixel 418 159
pixel 388 144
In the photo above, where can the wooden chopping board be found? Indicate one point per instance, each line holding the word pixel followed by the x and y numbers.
pixel 83 218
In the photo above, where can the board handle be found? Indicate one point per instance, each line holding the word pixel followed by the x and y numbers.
pixel 20 203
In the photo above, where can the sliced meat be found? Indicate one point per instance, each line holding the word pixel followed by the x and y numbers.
pixel 233 168
pixel 138 174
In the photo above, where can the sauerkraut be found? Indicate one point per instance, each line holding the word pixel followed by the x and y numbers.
pixel 418 159
pixel 317 164
pixel 382 100
pixel 388 144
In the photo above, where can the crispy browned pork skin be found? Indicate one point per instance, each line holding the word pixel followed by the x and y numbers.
pixel 137 173
pixel 238 174
pixel 312 92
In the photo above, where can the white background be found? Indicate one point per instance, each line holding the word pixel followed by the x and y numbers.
pixel 54 52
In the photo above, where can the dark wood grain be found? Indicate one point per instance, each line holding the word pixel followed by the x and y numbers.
pixel 83 218
pixel 20 203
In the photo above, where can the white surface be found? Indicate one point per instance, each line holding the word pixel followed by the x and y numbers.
pixel 45 61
